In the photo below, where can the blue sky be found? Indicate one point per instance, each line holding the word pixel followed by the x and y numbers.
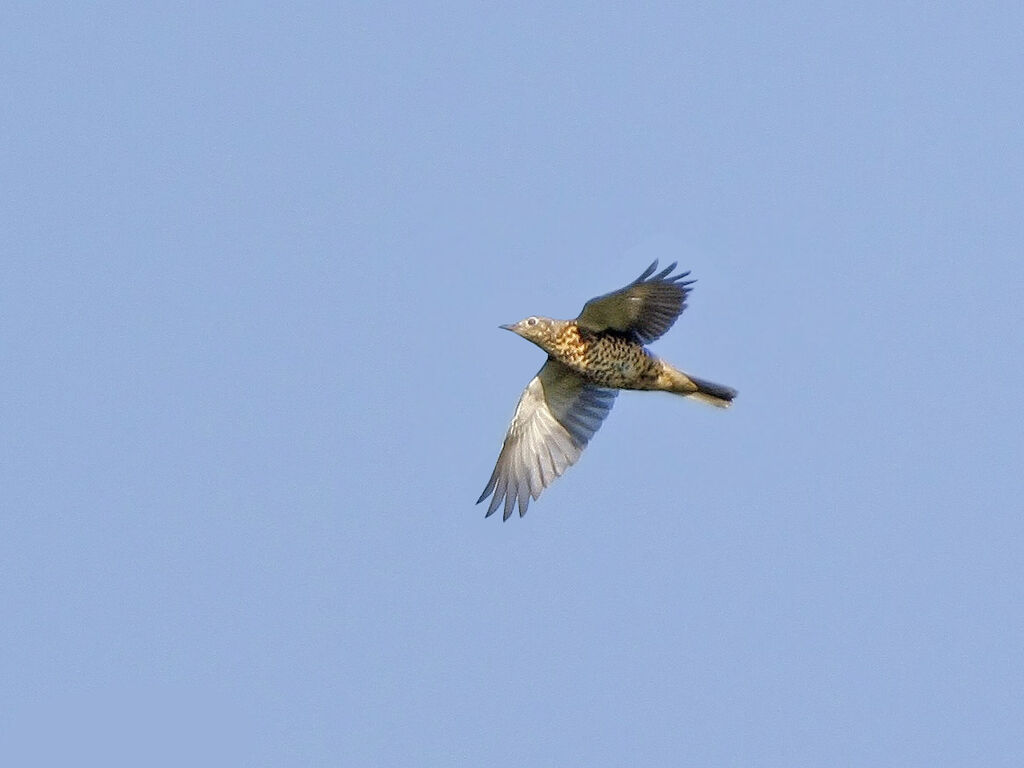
pixel 255 261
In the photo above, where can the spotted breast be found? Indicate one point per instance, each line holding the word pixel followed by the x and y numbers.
pixel 609 360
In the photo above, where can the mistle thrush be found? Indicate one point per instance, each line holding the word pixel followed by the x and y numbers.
pixel 589 360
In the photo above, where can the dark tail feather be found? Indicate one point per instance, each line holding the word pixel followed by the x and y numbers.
pixel 711 393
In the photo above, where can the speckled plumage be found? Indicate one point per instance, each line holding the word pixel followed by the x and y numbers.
pixel 589 360
pixel 606 359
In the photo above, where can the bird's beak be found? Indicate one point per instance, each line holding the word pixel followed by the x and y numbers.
pixel 507 327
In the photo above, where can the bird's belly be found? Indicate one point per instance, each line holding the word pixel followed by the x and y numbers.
pixel 615 364
pixel 619 375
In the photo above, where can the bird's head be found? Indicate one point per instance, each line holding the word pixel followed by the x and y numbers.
pixel 539 330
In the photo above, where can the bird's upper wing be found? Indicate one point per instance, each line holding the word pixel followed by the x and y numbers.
pixel 557 415
pixel 644 309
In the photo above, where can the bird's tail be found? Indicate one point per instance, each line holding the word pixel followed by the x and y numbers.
pixel 713 394
pixel 674 380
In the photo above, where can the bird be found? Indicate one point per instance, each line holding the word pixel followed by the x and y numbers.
pixel 589 360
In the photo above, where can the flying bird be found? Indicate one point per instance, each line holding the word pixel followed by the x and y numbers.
pixel 589 360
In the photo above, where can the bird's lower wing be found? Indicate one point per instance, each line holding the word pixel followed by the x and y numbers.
pixel 557 415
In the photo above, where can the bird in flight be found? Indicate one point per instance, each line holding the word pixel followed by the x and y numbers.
pixel 589 360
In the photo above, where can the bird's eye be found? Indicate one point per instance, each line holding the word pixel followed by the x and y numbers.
pixel 532 321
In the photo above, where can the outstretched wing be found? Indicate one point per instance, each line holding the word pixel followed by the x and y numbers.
pixel 644 309
pixel 557 415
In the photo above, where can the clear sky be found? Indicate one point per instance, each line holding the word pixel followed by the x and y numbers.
pixel 254 260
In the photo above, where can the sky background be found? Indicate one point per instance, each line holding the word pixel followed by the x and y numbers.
pixel 253 263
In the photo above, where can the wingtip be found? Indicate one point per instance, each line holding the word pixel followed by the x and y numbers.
pixel 666 271
pixel 664 275
pixel 487 490
pixel 647 272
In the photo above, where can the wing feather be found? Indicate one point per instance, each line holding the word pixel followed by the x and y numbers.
pixel 645 309
pixel 557 415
